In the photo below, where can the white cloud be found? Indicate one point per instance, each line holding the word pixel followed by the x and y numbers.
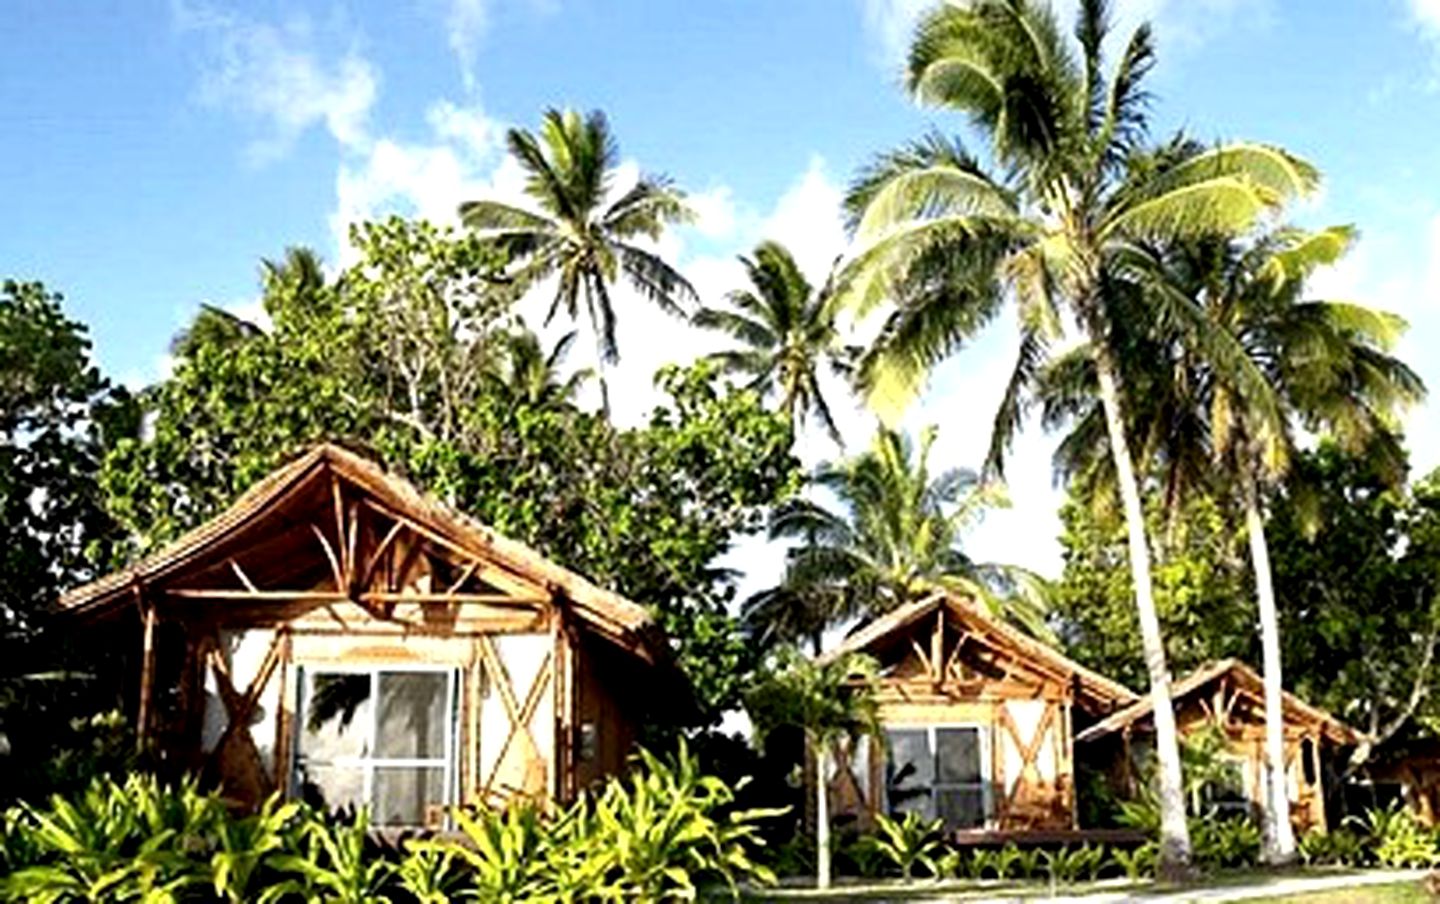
pixel 1426 14
pixel 715 213
pixel 279 75
pixel 427 179
pixel 468 128
pixel 1179 24
pixel 465 25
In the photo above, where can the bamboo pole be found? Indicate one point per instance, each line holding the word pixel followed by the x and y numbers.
pixel 147 673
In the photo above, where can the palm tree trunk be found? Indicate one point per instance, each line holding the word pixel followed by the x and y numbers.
pixel 822 815
pixel 1279 834
pixel 1174 834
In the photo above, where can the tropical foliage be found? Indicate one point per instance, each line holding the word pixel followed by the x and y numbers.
pixel 411 353
pixel 1081 191
pixel 582 236
pixel 663 834
pixel 895 539
pixel 786 335
pixel 831 701
pixel 57 417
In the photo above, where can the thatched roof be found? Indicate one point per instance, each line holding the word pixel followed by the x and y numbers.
pixel 1094 688
pixel 602 610
pixel 1242 677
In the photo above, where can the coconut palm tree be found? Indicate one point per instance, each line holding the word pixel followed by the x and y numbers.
pixel 786 332
pixel 1065 130
pixel 895 540
pixel 527 375
pixel 1325 367
pixel 579 234
pixel 830 700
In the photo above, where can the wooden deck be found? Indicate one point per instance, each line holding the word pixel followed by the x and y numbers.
pixel 1046 838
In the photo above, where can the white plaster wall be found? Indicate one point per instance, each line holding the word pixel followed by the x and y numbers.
pixel 244 652
pixel 522 655
pixel 1027 715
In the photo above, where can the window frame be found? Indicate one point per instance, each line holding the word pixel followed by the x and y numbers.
pixel 932 729
pixel 370 763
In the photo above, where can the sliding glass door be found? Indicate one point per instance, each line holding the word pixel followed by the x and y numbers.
pixel 382 738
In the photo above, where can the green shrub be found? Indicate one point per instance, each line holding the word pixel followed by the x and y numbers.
pixel 431 874
pixel 908 842
pixel 665 825
pixel 241 846
pixel 1339 847
pixel 1395 838
pixel 984 863
pixel 1137 863
pixel 1225 843
pixel 113 842
pixel 655 835
pixel 1067 865
pixel 332 863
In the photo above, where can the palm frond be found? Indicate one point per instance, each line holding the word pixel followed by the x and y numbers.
pixel 1015 401
pixel 655 279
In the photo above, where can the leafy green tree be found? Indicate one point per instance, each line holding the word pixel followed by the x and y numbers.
pixel 1202 589
pixel 1275 361
pixel 896 539
pixel 56 414
pixel 528 375
pixel 786 334
pixel 830 700
pixel 580 236
pixel 1066 130
pixel 398 355
pixel 1357 584
pixel 1331 370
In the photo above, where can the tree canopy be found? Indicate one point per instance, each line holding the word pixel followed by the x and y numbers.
pixel 400 354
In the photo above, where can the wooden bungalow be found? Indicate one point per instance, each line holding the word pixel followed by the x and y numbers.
pixel 978 721
pixel 338 636
pixel 1230 695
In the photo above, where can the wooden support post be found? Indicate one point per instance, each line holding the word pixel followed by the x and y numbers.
pixel 937 646
pixel 475 694
pixel 285 716
pixel 149 618
pixel 563 763
pixel 998 793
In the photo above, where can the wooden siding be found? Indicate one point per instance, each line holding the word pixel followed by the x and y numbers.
pixel 937 672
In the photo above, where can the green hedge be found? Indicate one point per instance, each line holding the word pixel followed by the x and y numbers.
pixel 662 833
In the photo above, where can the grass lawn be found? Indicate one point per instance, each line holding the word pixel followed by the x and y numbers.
pixel 1397 893
pixel 876 891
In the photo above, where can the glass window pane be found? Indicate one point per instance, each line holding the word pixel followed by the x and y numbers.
pixel 957 755
pixel 337 717
pixel 412 715
pixel 332 787
pixel 962 808
pixel 909 770
pixel 405 796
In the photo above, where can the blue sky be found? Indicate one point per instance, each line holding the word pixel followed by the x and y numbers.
pixel 153 153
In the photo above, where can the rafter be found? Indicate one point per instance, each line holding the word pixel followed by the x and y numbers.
pixel 244 578
pixel 921 655
pixel 368 575
pixel 464 576
pixel 336 571
pixel 328 596
pixel 497 576
pixel 339 499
